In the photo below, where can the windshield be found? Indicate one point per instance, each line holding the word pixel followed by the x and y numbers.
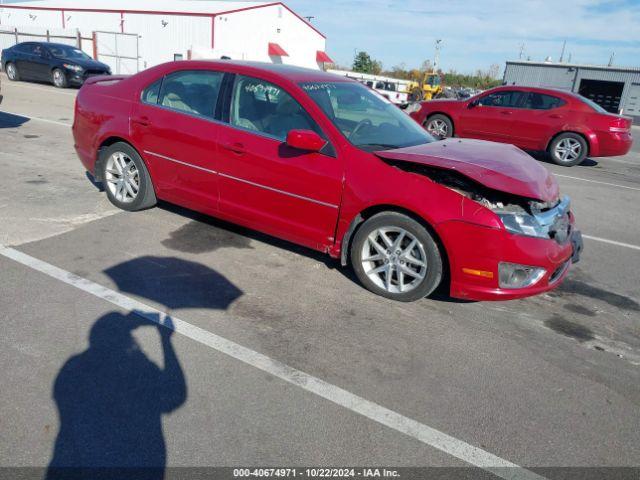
pixel 69 53
pixel 365 118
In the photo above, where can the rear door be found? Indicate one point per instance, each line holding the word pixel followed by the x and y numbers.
pixel 491 118
pixel 539 118
pixel 40 63
pixel 175 124
pixel 264 183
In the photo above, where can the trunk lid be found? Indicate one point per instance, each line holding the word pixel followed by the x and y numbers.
pixel 495 165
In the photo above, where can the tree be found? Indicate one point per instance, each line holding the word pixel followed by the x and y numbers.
pixel 363 63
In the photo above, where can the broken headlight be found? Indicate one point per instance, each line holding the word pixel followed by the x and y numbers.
pixel 522 223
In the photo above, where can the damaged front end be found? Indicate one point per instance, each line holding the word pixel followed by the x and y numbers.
pixel 519 215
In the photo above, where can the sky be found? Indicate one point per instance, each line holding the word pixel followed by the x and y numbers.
pixel 477 33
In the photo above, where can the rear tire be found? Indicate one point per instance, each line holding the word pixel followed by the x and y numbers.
pixel 126 178
pixel 440 126
pixel 12 71
pixel 59 78
pixel 396 257
pixel 568 149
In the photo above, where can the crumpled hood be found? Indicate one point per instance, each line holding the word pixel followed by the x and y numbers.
pixel 495 165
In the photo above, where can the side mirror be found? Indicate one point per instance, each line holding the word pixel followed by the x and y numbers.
pixel 305 140
pixel 473 103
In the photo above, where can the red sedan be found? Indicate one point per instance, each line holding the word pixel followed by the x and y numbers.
pixel 567 126
pixel 325 162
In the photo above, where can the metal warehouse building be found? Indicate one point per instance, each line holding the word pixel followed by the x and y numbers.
pixel 133 35
pixel 616 89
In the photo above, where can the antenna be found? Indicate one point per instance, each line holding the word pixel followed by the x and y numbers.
pixel 309 18
pixel 521 51
pixel 613 55
pixel 564 44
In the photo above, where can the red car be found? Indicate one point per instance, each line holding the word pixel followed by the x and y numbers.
pixel 567 126
pixel 323 161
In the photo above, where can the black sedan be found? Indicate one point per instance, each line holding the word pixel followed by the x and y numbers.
pixel 60 64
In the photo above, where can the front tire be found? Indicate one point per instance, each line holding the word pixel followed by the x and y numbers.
pixel 568 149
pixel 126 178
pixel 440 126
pixel 59 78
pixel 396 257
pixel 12 71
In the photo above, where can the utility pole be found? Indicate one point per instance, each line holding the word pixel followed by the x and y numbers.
pixel 436 60
pixel 564 44
pixel 521 51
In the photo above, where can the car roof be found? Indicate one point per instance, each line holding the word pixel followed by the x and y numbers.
pixel 46 44
pixel 523 88
pixel 290 72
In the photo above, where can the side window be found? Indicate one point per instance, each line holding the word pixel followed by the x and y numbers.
pixel 151 93
pixel 191 91
pixel 539 101
pixel 263 107
pixel 38 51
pixel 26 48
pixel 503 98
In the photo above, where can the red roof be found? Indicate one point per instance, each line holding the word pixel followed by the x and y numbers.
pixel 276 50
pixel 323 57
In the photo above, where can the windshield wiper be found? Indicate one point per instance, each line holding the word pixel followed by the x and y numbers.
pixel 383 145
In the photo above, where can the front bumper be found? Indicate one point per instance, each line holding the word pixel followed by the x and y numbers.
pixel 78 78
pixel 475 248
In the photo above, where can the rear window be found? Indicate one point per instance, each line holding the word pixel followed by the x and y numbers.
pixel 592 104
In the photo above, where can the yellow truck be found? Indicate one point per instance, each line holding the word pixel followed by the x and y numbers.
pixel 429 87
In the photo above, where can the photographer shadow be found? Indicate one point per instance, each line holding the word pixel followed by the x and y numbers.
pixel 111 397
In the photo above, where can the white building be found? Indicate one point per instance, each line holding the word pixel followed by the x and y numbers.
pixel 133 35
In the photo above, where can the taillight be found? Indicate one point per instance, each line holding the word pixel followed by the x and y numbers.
pixel 619 129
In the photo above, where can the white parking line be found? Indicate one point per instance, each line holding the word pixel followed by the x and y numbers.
pixel 33 87
pixel 37 119
pixel 384 416
pixel 597 181
pixel 612 242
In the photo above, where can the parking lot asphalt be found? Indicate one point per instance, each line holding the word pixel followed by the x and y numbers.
pixel 551 381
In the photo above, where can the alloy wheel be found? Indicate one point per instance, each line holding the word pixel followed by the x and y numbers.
pixel 568 149
pixel 123 178
pixel 394 259
pixel 11 71
pixel 437 128
pixel 58 78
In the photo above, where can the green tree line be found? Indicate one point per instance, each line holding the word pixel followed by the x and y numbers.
pixel 481 79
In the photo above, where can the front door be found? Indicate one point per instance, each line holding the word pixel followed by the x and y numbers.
pixel 491 117
pixel 266 184
pixel 174 123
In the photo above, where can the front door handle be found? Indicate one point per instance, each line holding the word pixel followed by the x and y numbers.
pixel 506 113
pixel 142 121
pixel 555 115
pixel 237 148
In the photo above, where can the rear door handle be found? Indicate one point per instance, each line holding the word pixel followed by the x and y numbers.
pixel 506 113
pixel 555 115
pixel 142 121
pixel 237 147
